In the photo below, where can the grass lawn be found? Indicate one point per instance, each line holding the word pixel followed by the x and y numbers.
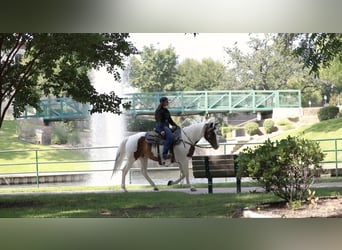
pixel 163 204
pixel 329 129
pixel 24 154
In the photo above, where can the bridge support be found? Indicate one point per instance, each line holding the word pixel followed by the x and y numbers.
pixel 259 116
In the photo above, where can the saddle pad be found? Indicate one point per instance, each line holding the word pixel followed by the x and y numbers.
pixel 155 138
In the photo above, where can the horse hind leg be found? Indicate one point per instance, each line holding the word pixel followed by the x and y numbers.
pixel 143 162
pixel 124 173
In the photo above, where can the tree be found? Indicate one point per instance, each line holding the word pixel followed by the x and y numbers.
pixel 315 50
pixel 187 75
pixel 331 78
pixel 32 65
pixel 154 71
pixel 205 75
pixel 265 66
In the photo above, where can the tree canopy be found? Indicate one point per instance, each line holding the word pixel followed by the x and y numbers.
pixel 205 75
pixel 265 66
pixel 316 50
pixel 154 70
pixel 33 65
pixel 158 70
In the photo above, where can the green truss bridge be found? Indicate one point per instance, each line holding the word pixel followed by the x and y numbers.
pixel 205 102
pixel 58 109
pixel 180 103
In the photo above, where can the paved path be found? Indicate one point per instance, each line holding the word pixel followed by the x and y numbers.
pixel 216 190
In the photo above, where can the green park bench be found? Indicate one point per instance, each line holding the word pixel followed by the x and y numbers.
pixel 215 166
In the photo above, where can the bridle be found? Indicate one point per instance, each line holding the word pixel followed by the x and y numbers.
pixel 189 142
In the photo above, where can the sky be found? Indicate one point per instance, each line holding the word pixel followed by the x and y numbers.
pixel 203 45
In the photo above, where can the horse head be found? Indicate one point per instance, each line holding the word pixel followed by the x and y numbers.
pixel 210 134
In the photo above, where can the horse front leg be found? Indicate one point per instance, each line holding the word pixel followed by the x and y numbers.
pixel 171 182
pixel 192 188
pixel 143 162
pixel 184 173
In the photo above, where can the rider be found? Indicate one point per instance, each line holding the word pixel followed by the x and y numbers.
pixel 163 122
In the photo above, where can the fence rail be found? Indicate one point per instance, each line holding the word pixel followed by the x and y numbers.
pixel 31 163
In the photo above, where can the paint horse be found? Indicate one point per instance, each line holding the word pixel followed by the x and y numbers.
pixel 135 147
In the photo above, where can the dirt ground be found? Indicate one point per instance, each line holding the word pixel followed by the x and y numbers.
pixel 325 207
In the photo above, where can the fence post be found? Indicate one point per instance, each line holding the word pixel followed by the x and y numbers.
pixel 37 169
pixel 336 164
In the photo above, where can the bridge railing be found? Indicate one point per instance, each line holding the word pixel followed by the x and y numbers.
pixel 192 102
pixel 58 109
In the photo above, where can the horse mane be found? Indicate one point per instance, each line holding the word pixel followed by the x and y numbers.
pixel 199 124
pixel 194 125
pixel 194 131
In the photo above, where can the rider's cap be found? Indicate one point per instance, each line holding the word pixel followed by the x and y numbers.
pixel 163 99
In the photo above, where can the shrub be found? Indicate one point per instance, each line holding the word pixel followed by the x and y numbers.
pixel 286 167
pixel 283 122
pixel 293 118
pixel 59 135
pixel 328 112
pixel 268 126
pixel 74 137
pixel 226 131
pixel 252 128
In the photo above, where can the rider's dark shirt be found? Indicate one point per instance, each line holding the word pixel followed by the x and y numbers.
pixel 163 119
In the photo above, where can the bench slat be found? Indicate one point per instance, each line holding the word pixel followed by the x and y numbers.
pixel 214 165
pixel 212 157
pixel 214 173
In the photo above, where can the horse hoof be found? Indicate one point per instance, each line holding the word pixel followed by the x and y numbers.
pixel 170 183
pixel 155 189
pixel 193 189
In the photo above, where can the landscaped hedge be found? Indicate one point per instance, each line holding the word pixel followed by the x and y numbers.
pixel 226 131
pixel 268 126
pixel 252 128
pixel 328 112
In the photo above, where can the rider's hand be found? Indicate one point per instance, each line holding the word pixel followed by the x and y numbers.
pixel 162 133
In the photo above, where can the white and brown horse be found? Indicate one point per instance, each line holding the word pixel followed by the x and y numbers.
pixel 135 148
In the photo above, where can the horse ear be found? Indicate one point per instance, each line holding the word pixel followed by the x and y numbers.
pixel 214 124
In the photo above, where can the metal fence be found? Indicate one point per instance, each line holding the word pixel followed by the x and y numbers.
pixel 40 162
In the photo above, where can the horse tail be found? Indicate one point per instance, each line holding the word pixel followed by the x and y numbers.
pixel 120 155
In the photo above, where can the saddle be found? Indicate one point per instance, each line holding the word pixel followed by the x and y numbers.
pixel 154 138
